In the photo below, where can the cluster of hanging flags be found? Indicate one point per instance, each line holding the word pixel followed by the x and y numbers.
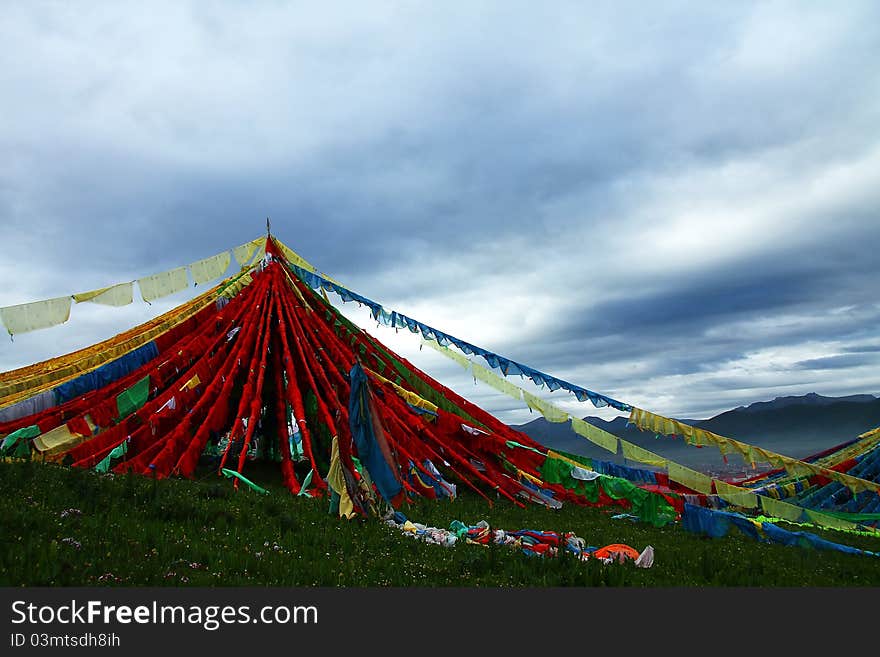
pixel 36 315
pixel 262 366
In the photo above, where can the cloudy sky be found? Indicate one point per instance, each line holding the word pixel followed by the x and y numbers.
pixel 676 204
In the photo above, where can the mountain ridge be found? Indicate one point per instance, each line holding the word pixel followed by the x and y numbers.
pixel 796 426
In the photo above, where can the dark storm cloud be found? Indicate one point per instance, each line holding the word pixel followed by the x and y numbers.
pixel 862 348
pixel 682 312
pixel 843 361
pixel 590 162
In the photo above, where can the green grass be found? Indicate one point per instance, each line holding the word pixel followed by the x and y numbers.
pixel 133 531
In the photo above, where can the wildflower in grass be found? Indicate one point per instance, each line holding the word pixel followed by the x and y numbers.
pixel 67 513
pixel 72 542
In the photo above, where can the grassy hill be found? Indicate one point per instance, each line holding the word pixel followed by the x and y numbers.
pixel 70 527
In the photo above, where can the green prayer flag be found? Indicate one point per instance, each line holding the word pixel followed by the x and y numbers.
pixel 458 528
pixel 513 443
pixel 115 453
pixel 25 432
pixel 305 485
pixel 647 505
pixel 23 450
pixel 237 475
pixel 131 399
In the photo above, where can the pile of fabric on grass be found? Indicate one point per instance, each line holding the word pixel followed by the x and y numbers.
pixel 531 542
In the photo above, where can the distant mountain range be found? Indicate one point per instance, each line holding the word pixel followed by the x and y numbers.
pixel 796 426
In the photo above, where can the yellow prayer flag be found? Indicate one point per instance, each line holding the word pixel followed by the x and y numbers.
pixel 35 315
pixel 531 478
pixel 409 396
pixel 594 434
pixel 633 452
pixel 549 411
pixel 825 520
pixel 208 269
pixel 163 284
pixel 114 295
pixel 780 509
pixel 234 288
pixel 798 469
pixel 244 253
pixel 855 484
pixel 57 441
pixel 703 438
pixel 740 448
pixel 735 495
pixel 192 383
pixel 556 455
pixel 724 446
pixel 294 258
pixel 501 385
pixel 691 478
pixel 336 480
